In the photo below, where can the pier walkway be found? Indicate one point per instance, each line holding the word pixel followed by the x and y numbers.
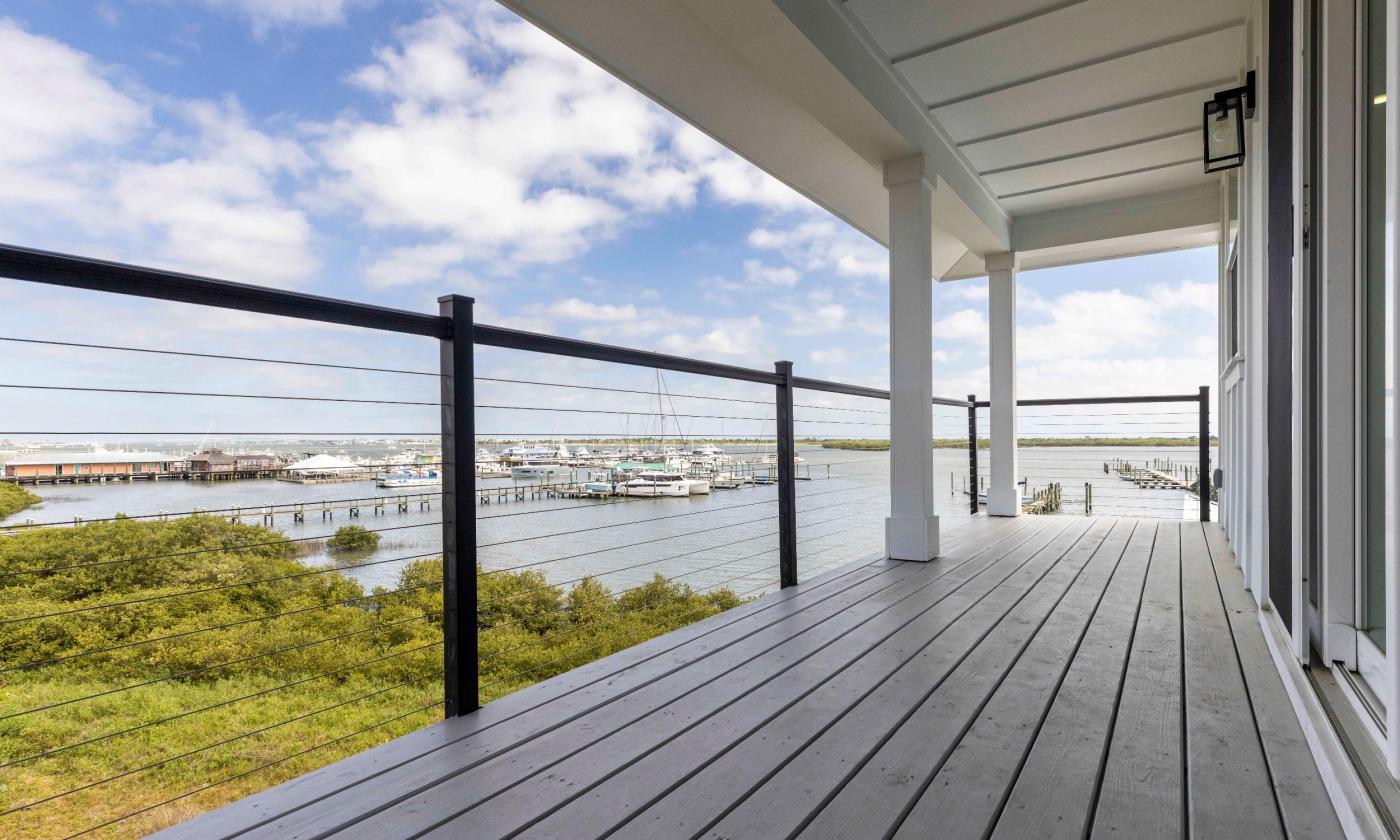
pixel 1049 677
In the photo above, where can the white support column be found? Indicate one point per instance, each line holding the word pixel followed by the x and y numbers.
pixel 911 531
pixel 1004 496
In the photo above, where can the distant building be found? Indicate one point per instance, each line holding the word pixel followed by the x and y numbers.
pixel 217 461
pixel 87 463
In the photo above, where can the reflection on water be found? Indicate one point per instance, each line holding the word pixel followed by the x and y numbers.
pixel 728 538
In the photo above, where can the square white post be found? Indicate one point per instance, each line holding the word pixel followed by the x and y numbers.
pixel 911 531
pixel 1004 496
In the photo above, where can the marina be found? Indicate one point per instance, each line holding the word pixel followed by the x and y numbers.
pixel 409 518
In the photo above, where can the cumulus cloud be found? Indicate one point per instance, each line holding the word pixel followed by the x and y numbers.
pixel 762 274
pixel 197 190
pixel 818 242
pixel 269 14
pixel 497 143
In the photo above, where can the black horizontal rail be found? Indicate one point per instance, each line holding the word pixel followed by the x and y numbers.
pixel 138 281
pixel 1156 398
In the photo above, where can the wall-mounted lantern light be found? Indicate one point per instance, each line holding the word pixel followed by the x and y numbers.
pixel 1223 125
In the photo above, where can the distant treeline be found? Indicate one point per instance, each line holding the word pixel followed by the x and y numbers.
pixel 879 445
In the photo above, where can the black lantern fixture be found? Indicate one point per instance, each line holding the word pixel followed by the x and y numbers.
pixel 1222 124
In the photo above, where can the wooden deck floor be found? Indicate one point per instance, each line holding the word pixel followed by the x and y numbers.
pixel 1049 677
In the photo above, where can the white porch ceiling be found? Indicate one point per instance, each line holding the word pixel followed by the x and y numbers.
pixel 1056 104
pixel 1041 119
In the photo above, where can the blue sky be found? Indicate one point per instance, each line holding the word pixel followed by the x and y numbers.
pixel 394 151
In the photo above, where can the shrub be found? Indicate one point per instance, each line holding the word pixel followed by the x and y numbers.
pixel 14 499
pixel 353 538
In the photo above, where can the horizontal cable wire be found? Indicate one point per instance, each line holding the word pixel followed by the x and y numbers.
pixel 622 390
pixel 634 545
pixel 211 746
pixel 53 660
pixel 216 356
pixel 194 551
pixel 207 668
pixel 219 588
pixel 653 626
pixel 648 520
pixel 652 413
pixel 670 578
pixel 230 701
pixel 260 767
pixel 156 393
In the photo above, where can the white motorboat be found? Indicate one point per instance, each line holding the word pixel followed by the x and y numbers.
pixel 416 477
pixel 657 483
pixel 537 470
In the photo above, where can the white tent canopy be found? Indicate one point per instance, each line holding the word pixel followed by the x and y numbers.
pixel 323 464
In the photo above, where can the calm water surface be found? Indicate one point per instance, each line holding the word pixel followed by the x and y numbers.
pixel 726 539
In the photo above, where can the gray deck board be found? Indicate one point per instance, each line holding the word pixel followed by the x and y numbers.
pixel 1229 793
pixel 878 797
pixel 1302 797
pixel 1048 678
pixel 965 796
pixel 1143 788
pixel 1053 794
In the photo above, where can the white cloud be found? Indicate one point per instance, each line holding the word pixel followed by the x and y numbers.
pixel 1188 294
pixel 499 143
pixel 831 356
pixel 969 290
pixel 762 274
pixel 741 338
pixel 1087 324
pixel 962 324
pixel 581 310
pixel 818 242
pixel 56 100
pixel 269 14
pixel 80 159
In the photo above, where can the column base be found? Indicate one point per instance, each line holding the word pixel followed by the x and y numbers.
pixel 1004 501
pixel 911 538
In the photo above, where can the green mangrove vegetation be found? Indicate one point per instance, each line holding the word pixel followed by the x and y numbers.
pixel 166 668
pixel 14 499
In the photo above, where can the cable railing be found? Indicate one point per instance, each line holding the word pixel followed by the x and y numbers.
pixel 564 500
pixel 193 633
pixel 1137 456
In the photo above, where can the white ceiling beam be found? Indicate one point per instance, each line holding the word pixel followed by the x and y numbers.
pixel 966 207
pixel 1156 213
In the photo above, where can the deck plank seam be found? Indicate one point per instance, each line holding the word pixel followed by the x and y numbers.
pixel 1059 684
pixel 514 745
pixel 302 804
pixel 1029 535
pixel 738 614
pixel 821 731
pixel 1244 680
pixel 1118 697
pixel 875 749
pixel 913 571
pixel 905 571
pixel 1181 682
pixel 1006 672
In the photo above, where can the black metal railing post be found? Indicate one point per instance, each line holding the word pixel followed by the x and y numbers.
pixel 972 450
pixel 461 676
pixel 1203 468
pixel 787 478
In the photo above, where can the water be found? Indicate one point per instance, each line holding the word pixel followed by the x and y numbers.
pixel 727 539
